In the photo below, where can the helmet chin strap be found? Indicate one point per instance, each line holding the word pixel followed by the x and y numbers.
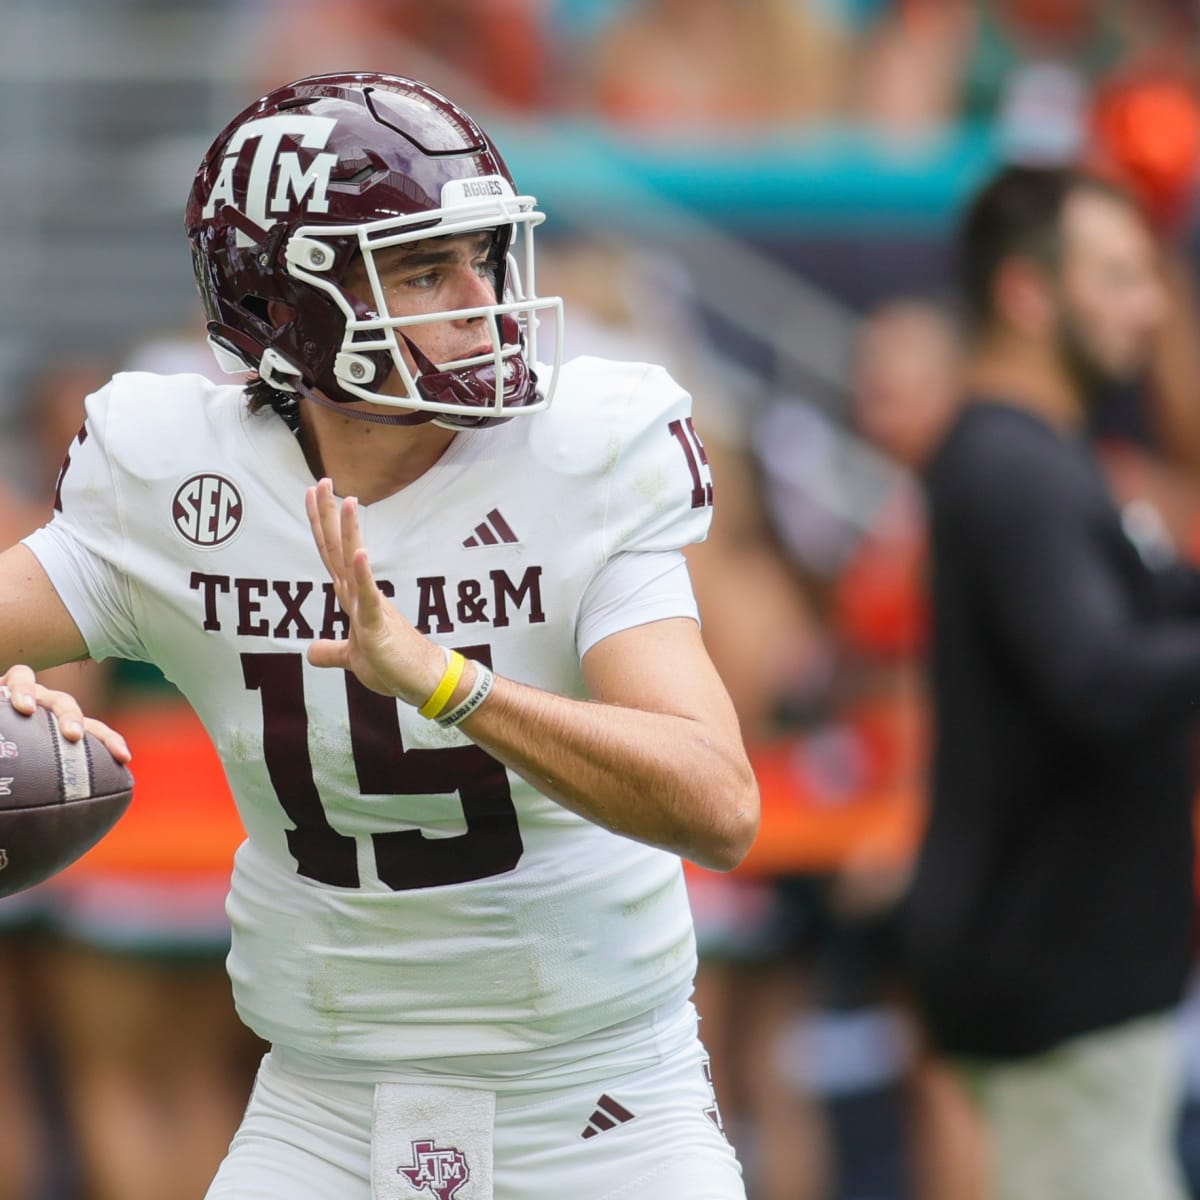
pixel 357 414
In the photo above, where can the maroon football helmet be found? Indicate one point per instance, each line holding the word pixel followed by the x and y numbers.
pixel 336 166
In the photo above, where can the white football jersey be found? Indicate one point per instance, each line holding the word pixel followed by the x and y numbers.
pixel 400 895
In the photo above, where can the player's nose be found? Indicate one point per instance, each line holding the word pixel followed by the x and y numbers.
pixel 473 289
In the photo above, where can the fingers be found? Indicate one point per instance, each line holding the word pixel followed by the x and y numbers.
pixel 375 648
pixel 338 538
pixel 22 684
pixel 66 710
pixel 351 536
pixel 312 508
pixel 368 599
pixel 27 695
pixel 327 652
pixel 113 741
pixel 321 506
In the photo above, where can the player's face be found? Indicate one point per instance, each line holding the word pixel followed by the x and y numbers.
pixel 905 380
pixel 435 275
pixel 1111 293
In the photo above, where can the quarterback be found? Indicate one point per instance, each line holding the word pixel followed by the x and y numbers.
pixel 426 593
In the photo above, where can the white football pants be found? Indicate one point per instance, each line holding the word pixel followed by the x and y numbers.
pixel 650 1134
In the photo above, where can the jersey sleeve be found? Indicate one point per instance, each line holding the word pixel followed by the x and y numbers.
pixel 660 492
pixel 634 589
pixel 82 549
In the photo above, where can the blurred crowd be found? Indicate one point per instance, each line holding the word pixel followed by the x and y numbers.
pixel 122 1068
pixel 722 67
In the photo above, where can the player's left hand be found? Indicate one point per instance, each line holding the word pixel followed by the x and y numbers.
pixel 384 650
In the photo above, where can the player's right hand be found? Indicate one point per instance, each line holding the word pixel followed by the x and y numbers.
pixel 384 649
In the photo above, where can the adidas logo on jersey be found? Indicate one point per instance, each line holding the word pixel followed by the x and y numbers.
pixel 493 530
pixel 608 1115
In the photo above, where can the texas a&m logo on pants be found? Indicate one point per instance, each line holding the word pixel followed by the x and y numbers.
pixel 441 1172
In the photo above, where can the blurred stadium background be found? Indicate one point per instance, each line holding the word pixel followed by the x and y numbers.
pixel 760 194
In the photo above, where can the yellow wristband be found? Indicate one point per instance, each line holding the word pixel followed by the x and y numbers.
pixel 455 665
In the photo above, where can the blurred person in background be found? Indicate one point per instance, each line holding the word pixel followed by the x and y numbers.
pixel 1048 929
pixel 1142 131
pixel 496 54
pixel 717 66
pixel 905 391
pixel 929 64
pixel 755 940
pixel 122 970
pixel 861 764
pixel 904 380
pixel 155 1066
pixel 816 622
pixel 30 1143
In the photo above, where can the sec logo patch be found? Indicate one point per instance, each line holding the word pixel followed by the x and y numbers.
pixel 207 510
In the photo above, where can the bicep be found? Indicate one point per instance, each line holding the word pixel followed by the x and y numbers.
pixel 661 666
pixel 35 626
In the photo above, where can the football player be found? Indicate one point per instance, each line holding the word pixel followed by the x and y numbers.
pixel 427 594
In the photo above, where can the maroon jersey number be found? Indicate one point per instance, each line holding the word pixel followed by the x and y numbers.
pixel 80 438
pixel 684 432
pixel 404 859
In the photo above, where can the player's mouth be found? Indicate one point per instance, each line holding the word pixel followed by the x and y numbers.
pixel 480 356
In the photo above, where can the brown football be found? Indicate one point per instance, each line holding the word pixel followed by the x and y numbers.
pixel 57 798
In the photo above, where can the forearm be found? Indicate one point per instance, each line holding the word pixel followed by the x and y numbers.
pixel 655 777
pixel 657 756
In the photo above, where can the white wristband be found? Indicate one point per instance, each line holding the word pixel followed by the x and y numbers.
pixel 484 679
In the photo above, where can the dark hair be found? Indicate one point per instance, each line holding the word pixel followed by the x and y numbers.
pixel 1018 213
pixel 260 394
